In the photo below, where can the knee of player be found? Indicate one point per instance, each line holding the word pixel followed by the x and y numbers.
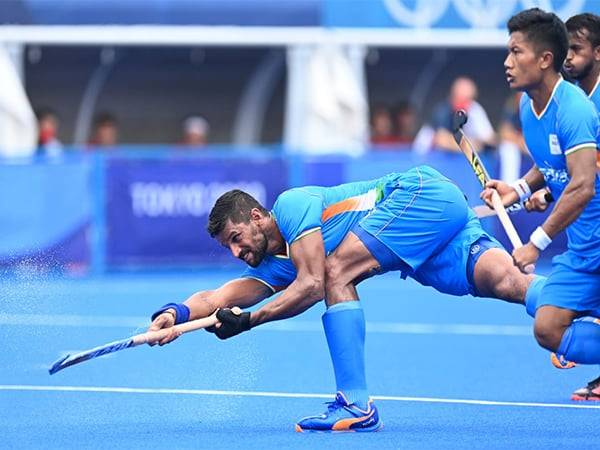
pixel 510 284
pixel 313 287
pixel 334 271
pixel 547 334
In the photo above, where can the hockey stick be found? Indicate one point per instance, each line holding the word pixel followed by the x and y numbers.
pixel 467 148
pixel 133 341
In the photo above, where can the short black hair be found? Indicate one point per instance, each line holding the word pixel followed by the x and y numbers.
pixel 234 205
pixel 587 21
pixel 545 30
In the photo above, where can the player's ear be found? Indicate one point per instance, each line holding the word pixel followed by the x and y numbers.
pixel 256 214
pixel 546 60
pixel 596 52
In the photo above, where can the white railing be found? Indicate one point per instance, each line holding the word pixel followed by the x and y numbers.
pixel 247 36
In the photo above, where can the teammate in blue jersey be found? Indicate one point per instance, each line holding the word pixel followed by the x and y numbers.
pixel 583 66
pixel 583 59
pixel 562 132
pixel 417 222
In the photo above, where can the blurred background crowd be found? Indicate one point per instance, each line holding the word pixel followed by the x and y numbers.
pixel 197 98
pixel 194 97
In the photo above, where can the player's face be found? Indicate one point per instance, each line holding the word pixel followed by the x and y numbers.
pixel 522 64
pixel 580 58
pixel 246 241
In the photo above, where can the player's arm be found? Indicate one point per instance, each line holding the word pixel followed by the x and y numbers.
pixel 577 194
pixel 514 192
pixel 242 292
pixel 535 179
pixel 308 256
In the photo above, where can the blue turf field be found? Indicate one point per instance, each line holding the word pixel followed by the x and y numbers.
pixel 447 372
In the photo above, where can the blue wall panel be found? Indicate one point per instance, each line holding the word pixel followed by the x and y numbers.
pixel 149 209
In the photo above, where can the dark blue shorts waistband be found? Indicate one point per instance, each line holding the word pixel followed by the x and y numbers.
pixel 387 259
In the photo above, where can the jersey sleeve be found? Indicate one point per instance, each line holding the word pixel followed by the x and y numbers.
pixel 579 127
pixel 264 276
pixel 298 212
pixel 271 274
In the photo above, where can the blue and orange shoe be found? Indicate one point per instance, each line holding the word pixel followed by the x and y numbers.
pixel 342 416
pixel 560 362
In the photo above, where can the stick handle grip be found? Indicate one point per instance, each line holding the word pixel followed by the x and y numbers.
pixel 508 226
pixel 192 325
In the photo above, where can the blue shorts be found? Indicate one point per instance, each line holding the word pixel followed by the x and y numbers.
pixel 452 270
pixel 425 229
pixel 571 289
pixel 417 218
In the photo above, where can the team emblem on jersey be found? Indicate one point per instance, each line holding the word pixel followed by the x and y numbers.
pixel 554 145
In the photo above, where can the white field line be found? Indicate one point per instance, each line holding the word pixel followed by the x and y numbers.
pixel 166 391
pixel 62 320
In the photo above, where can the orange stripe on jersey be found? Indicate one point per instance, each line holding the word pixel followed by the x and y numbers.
pixel 362 202
pixel 350 204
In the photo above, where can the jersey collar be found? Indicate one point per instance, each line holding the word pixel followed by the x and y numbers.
pixel 285 255
pixel 540 115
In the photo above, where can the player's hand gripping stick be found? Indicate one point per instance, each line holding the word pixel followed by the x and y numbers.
pixel 467 148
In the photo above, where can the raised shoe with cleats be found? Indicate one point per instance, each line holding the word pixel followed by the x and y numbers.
pixel 589 393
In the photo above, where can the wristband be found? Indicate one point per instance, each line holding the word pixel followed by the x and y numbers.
pixel 182 312
pixel 522 188
pixel 540 239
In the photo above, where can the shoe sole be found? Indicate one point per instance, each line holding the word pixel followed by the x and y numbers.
pixel 582 398
pixel 372 429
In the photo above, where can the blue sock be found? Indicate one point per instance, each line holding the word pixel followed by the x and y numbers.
pixel 344 325
pixel 581 342
pixel 533 294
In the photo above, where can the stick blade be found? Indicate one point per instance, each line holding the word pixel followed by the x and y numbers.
pixel 77 358
pixel 58 365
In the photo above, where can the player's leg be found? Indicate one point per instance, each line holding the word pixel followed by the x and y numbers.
pixel 419 214
pixel 475 263
pixel 344 325
pixel 412 222
pixel 550 324
pixel 495 275
pixel 591 391
pixel 351 261
pixel 568 294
